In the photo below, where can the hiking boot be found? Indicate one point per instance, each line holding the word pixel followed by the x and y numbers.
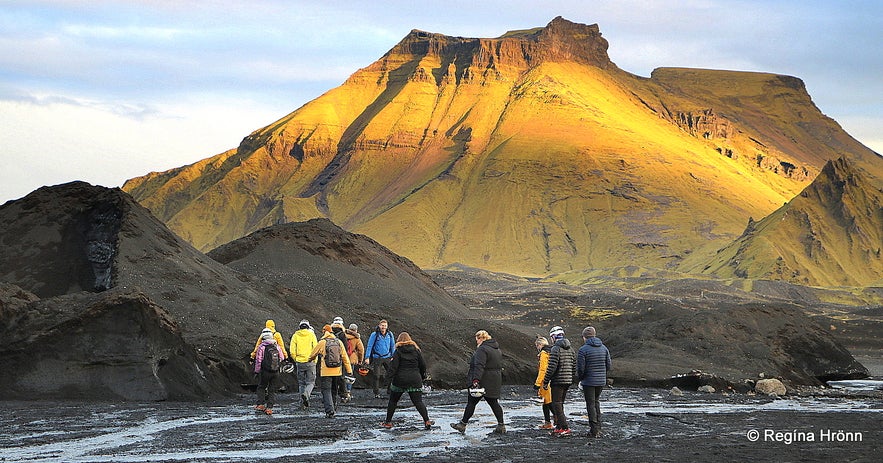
pixel 500 429
pixel 329 415
pixel 268 411
pixel 547 425
pixel 594 430
pixel 346 399
pixel 260 408
pixel 304 402
pixel 427 425
pixel 459 426
pixel 387 424
pixel 377 396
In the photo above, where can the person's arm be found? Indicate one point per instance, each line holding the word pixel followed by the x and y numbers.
pixel 370 347
pixel 394 366
pixel 292 347
pixel 256 345
pixel 345 359
pixel 541 369
pixel 320 347
pixel 421 364
pixel 479 361
pixel 581 369
pixel 609 363
pixel 279 342
pixel 553 365
pixel 392 342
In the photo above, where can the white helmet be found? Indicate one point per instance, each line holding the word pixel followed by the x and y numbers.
pixel 556 332
pixel 287 367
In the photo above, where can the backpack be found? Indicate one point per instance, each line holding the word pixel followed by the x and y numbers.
pixel 332 353
pixel 270 360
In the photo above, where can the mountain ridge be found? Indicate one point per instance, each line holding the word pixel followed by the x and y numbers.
pixel 586 165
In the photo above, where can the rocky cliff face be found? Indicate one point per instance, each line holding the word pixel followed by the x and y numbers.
pixel 531 153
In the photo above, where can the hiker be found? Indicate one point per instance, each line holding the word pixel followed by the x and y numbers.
pixel 545 393
pixel 333 363
pixel 378 354
pixel 407 370
pixel 593 363
pixel 268 359
pixel 485 380
pixel 355 350
pixel 303 341
pixel 270 325
pixel 560 373
pixel 340 331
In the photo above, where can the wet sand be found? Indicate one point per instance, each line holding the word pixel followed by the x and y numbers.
pixel 638 425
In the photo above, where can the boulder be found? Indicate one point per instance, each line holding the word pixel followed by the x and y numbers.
pixel 770 386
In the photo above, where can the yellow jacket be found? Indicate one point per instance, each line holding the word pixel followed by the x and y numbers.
pixel 320 350
pixel 276 335
pixel 302 343
pixel 545 393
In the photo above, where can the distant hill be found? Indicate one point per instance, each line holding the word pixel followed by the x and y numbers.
pixel 531 154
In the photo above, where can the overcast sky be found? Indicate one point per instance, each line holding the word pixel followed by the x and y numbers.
pixel 104 91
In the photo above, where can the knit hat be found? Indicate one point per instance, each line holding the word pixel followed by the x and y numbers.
pixel 304 324
pixel 354 327
pixel 556 332
pixel 266 334
pixel 589 332
pixel 326 328
pixel 337 321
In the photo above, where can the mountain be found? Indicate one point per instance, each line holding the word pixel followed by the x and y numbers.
pixel 531 153
pixel 831 234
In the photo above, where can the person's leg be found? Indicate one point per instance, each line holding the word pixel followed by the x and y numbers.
pixel 384 363
pixel 391 405
pixel 547 412
pixel 272 385
pixel 598 409
pixel 375 374
pixel 417 400
pixel 496 408
pixel 336 383
pixel 263 385
pixel 311 379
pixel 558 406
pixel 470 408
pixel 325 385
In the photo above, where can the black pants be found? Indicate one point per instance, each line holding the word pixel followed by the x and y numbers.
pixel 547 412
pixel 267 385
pixel 593 403
pixel 380 367
pixel 473 401
pixel 559 393
pixel 416 399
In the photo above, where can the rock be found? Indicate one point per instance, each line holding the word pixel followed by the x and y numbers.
pixel 770 387
pixel 676 392
pixel 706 388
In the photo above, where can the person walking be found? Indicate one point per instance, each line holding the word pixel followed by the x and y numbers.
pixel 485 371
pixel 544 393
pixel 378 353
pixel 333 363
pixel 340 331
pixel 270 325
pixel 303 341
pixel 268 359
pixel 407 370
pixel 356 352
pixel 592 364
pixel 560 373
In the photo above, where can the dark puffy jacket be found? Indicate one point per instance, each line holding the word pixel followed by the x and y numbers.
pixel 593 362
pixel 562 364
pixel 407 368
pixel 487 367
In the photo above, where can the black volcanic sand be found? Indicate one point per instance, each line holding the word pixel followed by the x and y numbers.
pixel 639 425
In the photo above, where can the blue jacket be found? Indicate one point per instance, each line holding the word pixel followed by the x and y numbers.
pixel 592 363
pixel 380 346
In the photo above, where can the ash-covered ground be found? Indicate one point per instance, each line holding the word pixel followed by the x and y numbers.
pixel 639 425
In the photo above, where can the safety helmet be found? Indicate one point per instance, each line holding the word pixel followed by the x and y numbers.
pixel 287 367
pixel 556 332
pixel 364 371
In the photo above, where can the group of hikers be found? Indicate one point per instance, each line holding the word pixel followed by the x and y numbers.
pixel 397 363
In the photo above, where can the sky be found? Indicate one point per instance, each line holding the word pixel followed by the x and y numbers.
pixel 104 91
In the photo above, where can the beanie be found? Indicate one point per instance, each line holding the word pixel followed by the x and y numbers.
pixel 326 328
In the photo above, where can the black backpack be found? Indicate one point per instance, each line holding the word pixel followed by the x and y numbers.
pixel 270 361
pixel 332 353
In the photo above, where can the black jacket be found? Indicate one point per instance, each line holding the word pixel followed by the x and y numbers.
pixel 562 364
pixel 407 368
pixel 487 367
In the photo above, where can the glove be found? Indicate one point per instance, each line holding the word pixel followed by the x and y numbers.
pixel 349 379
pixel 580 386
pixel 474 384
pixel 545 385
pixel 536 388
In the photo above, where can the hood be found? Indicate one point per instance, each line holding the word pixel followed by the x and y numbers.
pixel 304 332
pixel 353 334
pixel 563 343
pixel 407 349
pixel 271 325
pixel 492 343
pixel 594 341
pixel 328 334
pixel 268 341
